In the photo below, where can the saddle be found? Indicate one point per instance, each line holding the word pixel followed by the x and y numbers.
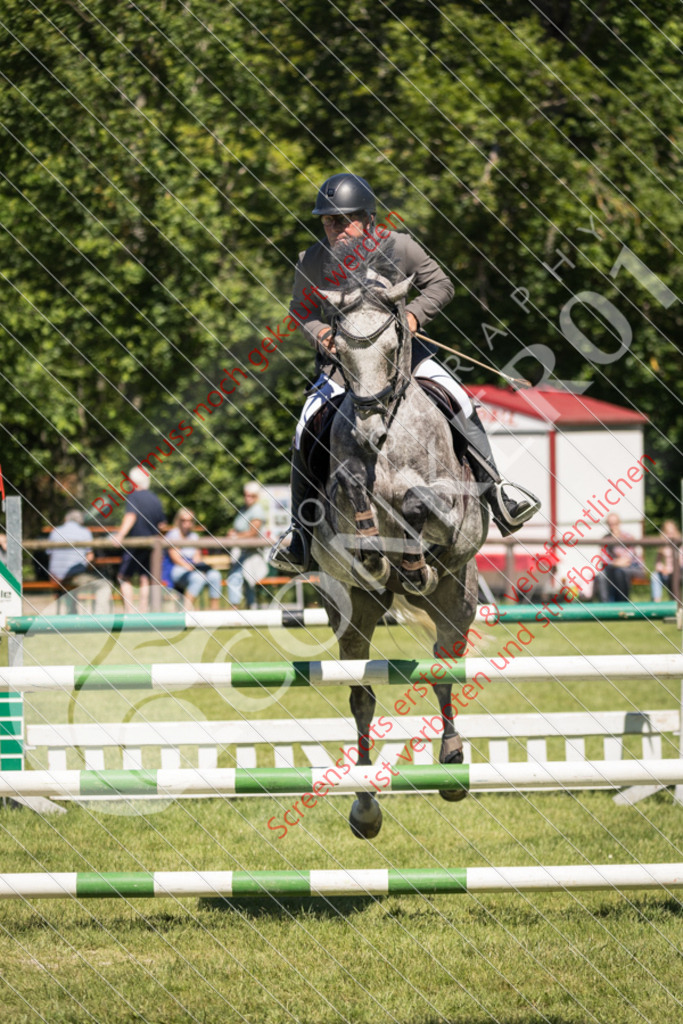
pixel 315 442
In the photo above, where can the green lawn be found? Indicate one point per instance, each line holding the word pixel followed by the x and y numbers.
pixel 511 958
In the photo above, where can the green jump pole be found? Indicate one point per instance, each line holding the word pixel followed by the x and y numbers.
pixel 400 778
pixel 477 672
pixel 310 617
pixel 369 882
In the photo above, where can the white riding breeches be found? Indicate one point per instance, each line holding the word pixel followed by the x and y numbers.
pixel 324 389
pixel 432 370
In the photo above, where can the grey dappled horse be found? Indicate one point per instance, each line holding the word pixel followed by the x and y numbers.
pixel 402 514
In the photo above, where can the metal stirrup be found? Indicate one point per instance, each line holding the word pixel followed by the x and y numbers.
pixel 277 557
pixel 502 508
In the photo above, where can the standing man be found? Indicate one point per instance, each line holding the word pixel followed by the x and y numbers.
pixel 347 206
pixel 143 516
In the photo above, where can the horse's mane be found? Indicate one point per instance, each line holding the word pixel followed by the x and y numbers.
pixel 377 264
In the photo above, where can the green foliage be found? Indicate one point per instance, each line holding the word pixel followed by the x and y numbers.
pixel 160 162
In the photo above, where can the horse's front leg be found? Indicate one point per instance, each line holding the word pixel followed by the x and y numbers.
pixel 351 476
pixel 354 633
pixel 451 751
pixel 365 818
pixel 417 577
pixel 452 608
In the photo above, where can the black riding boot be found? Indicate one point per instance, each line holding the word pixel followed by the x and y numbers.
pixel 508 515
pixel 294 557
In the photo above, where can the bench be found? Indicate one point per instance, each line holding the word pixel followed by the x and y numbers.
pixel 286 743
pixel 87 598
pixel 64 594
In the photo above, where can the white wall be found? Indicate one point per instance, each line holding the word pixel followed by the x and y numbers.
pixel 524 459
pixel 586 462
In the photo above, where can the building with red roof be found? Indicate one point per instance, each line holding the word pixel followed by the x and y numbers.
pixel 570 450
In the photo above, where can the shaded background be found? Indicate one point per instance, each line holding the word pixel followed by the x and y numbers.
pixel 159 164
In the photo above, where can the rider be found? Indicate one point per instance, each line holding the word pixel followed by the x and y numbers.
pixel 346 205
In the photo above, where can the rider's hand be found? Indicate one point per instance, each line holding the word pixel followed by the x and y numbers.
pixel 412 322
pixel 326 340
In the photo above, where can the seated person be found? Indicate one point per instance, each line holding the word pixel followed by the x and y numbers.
pixel 614 582
pixel 183 567
pixel 248 564
pixel 73 567
pixel 663 573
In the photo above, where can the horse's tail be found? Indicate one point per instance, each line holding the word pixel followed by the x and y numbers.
pixel 415 621
pixel 420 631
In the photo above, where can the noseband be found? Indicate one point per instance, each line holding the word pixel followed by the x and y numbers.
pixel 391 391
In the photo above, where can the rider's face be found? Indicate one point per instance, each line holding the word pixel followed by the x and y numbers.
pixel 343 227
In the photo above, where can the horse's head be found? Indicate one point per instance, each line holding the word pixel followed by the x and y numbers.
pixel 373 349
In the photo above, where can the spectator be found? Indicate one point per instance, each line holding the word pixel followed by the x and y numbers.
pixel 143 517
pixel 663 573
pixel 183 567
pixel 3 547
pixel 73 567
pixel 614 582
pixel 248 566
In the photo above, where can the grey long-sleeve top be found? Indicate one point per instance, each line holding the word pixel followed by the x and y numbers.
pixel 434 288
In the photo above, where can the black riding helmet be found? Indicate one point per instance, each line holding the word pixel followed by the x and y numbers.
pixel 345 193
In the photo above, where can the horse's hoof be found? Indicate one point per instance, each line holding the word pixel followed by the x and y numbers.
pixel 452 753
pixel 373 574
pixel 452 795
pixel 421 583
pixel 366 821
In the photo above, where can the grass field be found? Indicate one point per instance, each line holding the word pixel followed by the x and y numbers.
pixel 511 957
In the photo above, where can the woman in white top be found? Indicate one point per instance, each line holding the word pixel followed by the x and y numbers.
pixel 186 571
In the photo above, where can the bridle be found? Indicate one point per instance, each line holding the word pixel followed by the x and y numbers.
pixel 393 392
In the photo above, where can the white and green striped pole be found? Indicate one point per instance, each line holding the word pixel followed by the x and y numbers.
pixel 310 617
pixel 475 671
pixel 262 618
pixel 474 778
pixel 368 882
pixel 12 704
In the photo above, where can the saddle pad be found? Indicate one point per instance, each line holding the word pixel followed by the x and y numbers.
pixel 447 404
pixel 315 441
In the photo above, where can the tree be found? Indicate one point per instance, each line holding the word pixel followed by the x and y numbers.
pixel 160 165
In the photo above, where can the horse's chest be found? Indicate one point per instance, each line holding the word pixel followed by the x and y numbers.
pixel 419 439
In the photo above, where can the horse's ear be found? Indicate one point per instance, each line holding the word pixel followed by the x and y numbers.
pixel 400 290
pixel 332 297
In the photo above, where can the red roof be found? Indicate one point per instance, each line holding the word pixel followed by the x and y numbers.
pixel 558 407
